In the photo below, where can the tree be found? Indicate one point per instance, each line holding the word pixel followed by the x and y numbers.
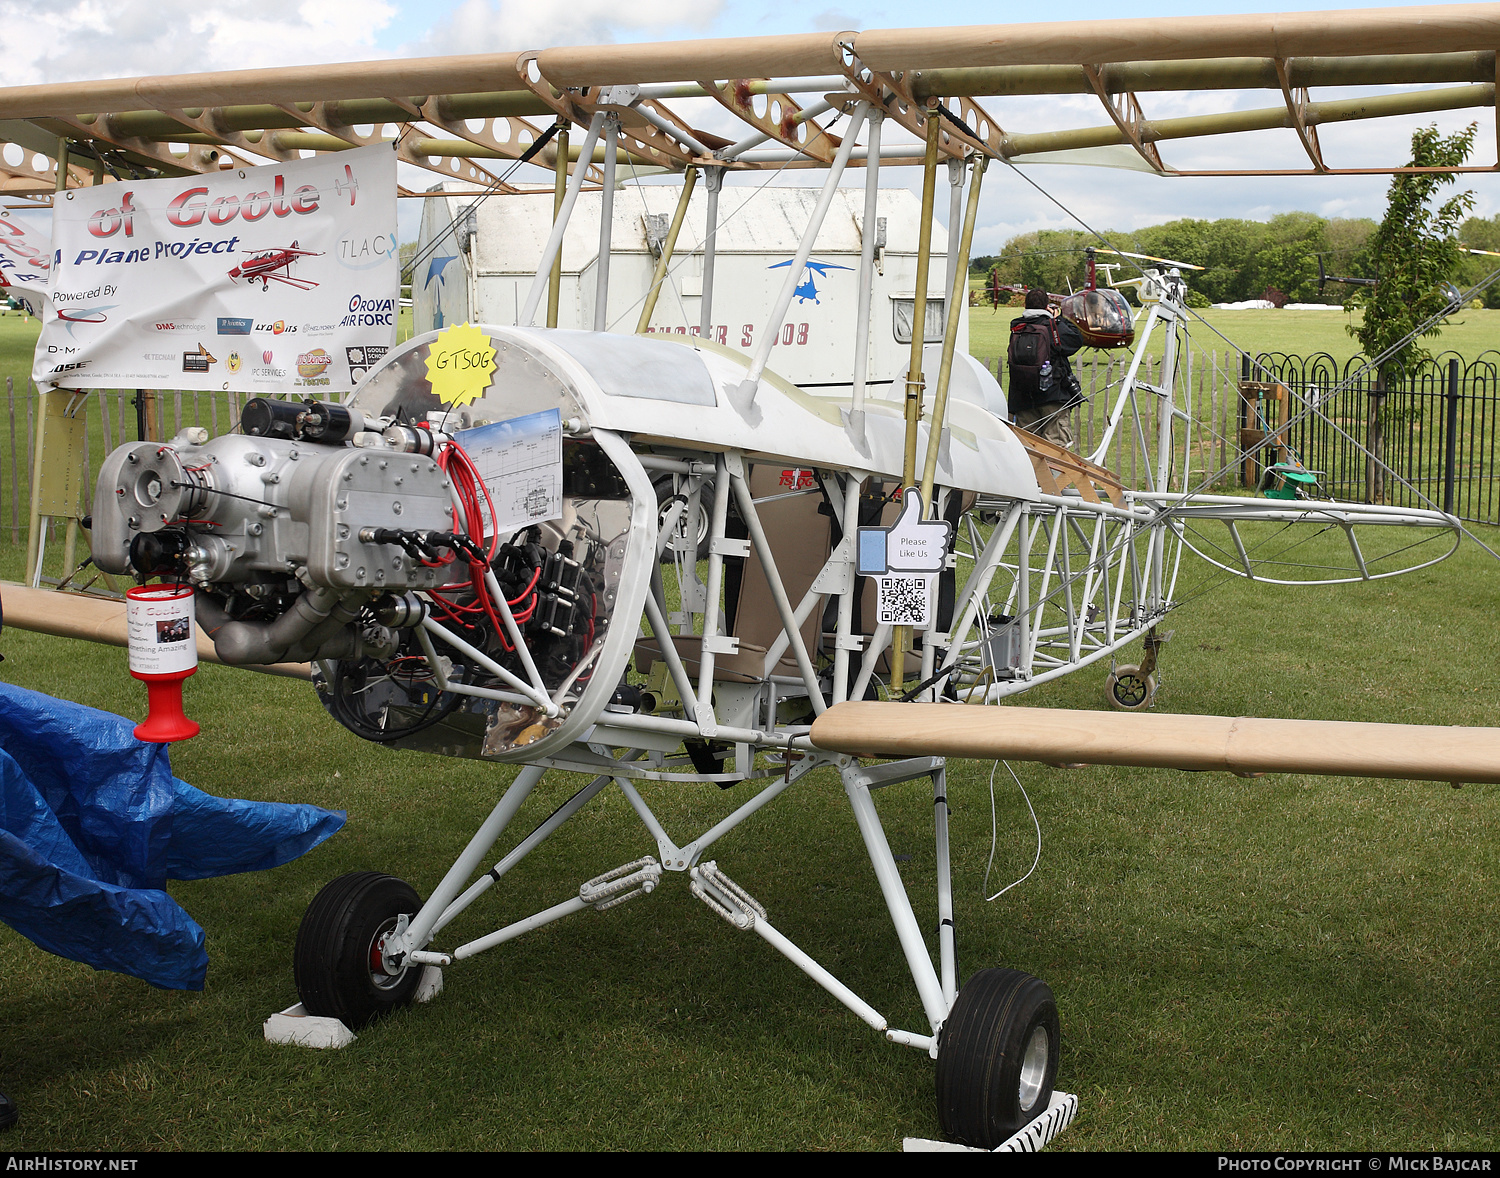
pixel 1414 248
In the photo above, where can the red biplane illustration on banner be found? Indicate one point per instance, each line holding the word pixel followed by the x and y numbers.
pixel 274 265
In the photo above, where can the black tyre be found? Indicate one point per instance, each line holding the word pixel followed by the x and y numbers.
pixel 997 1057
pixel 338 964
pixel 1128 690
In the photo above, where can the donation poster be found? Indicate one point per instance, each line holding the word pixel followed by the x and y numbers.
pixel 277 279
pixel 25 261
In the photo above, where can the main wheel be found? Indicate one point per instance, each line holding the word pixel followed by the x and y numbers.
pixel 1129 690
pixel 340 963
pixel 997 1057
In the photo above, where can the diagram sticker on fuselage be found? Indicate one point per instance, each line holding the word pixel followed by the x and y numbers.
pixel 520 461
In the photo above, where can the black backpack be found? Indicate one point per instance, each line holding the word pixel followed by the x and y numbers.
pixel 1032 342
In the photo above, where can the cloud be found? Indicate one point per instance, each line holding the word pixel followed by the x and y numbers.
pixel 483 26
pixel 836 20
pixel 74 40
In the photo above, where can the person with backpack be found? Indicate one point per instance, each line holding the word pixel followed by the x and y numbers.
pixel 1042 389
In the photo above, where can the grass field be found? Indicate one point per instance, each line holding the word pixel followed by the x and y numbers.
pixel 1298 332
pixel 1281 963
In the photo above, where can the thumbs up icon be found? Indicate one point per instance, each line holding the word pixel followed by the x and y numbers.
pixel 910 545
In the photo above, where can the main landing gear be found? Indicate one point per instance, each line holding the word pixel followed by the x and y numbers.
pixel 340 963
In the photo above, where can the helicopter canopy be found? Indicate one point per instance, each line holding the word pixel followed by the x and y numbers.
pixel 1102 317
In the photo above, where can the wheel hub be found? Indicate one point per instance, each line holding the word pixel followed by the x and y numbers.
pixel 1033 1068
pixel 387 955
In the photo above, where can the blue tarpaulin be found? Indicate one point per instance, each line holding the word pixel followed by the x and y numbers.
pixel 93 824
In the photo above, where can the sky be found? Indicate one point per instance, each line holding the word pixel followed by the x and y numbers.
pixel 68 40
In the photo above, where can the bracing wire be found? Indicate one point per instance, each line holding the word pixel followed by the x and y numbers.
pixel 526 157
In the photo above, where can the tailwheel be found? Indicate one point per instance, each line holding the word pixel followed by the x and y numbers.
pixel 1132 688
pixel 997 1057
pixel 1129 689
pixel 341 963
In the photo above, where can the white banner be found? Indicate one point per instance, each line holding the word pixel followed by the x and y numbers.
pixel 278 279
pixel 25 261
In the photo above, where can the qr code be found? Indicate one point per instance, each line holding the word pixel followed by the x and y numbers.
pixel 904 601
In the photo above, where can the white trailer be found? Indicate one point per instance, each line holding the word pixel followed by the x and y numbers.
pixel 480 270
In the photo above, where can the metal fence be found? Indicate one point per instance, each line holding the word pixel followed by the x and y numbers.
pixel 1419 436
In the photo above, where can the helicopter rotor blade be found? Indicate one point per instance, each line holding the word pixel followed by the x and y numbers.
pixel 1150 258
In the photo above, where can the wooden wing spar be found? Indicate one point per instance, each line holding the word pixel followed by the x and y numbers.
pixel 1244 745
pixel 465 117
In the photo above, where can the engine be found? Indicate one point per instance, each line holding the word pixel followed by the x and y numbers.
pixel 371 544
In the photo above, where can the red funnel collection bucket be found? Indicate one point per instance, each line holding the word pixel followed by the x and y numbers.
pixel 163 652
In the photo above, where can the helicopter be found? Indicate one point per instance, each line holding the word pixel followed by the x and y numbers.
pixel 1452 296
pixel 1103 318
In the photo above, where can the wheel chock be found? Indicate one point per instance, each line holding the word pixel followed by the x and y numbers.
pixel 1029 1138
pixel 296 1027
pixel 429 985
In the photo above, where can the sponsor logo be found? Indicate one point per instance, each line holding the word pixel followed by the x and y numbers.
pixel 74 316
pixel 278 328
pixel 197 361
pixel 319 328
pixel 265 357
pixel 363 358
pixel 159 355
pixel 362 252
pixel 807 288
pixel 84 314
pixel 235 326
pixel 233 362
pixel 71 366
pixel 435 269
pixel 365 312
pixel 176 326
pixel 314 363
pixel 268 372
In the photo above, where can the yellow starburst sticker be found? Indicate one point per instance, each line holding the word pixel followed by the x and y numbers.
pixel 461 364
